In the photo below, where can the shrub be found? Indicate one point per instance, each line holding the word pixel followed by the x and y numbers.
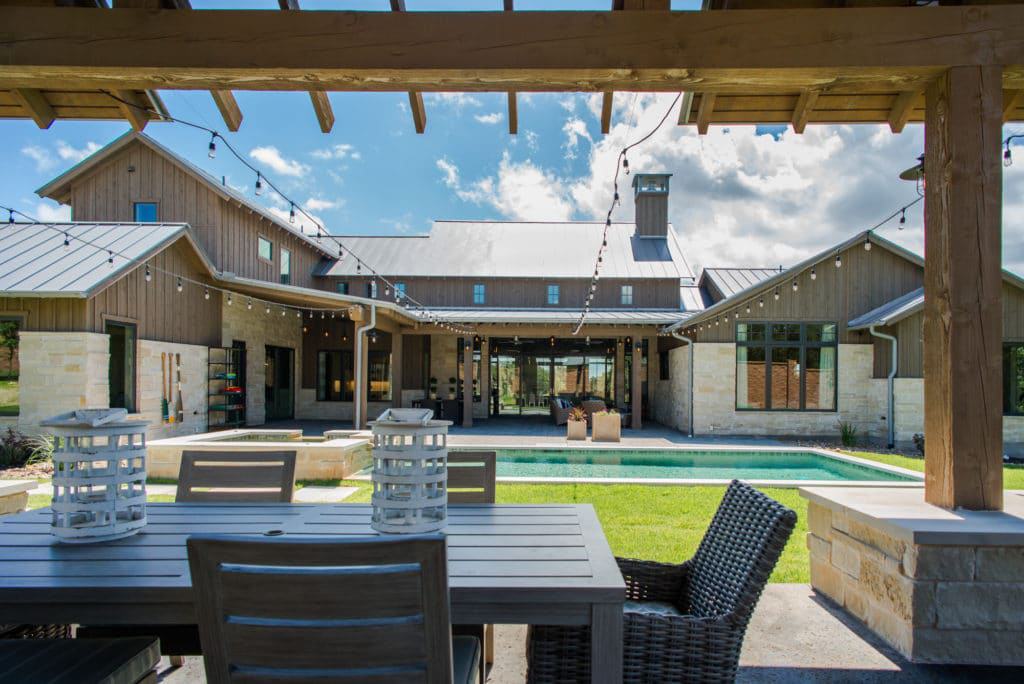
pixel 919 443
pixel 18 450
pixel 577 413
pixel 848 434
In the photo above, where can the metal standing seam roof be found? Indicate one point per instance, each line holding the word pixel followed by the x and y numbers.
pixel 568 316
pixel 729 281
pixel 511 249
pixel 35 263
pixel 891 312
pixel 692 298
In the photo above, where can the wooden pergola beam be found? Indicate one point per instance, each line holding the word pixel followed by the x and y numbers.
pixel 513 114
pixel 228 107
pixel 802 110
pixel 704 111
pixel 321 103
pixel 134 108
pixel 1011 100
pixel 886 49
pixel 606 112
pixel 419 112
pixel 902 107
pixel 34 102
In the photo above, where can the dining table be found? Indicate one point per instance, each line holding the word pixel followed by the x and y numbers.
pixel 535 564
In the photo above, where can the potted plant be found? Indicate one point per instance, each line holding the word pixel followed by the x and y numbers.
pixel 577 424
pixel 607 426
pixel 452 384
pixel 433 388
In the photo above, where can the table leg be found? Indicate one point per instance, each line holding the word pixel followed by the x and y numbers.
pixel 606 643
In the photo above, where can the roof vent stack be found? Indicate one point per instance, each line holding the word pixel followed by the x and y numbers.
pixel 650 197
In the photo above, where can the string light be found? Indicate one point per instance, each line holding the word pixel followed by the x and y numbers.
pixel 795 286
pixel 903 219
pixel 149 274
pixel 867 242
pixel 206 293
pixel 10 216
pixel 291 214
pixel 230 301
pixel 110 261
pixel 212 147
pixel 259 184
pixel 839 260
pixel 67 242
pixel 776 294
pixel 180 285
pixel 248 305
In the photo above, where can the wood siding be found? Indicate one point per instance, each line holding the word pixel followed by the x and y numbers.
pixel 528 293
pixel 226 231
pixel 866 280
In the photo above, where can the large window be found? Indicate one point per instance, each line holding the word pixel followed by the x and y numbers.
pixel 627 295
pixel 265 248
pixel 479 293
pixel 286 267
pixel 786 366
pixel 146 212
pixel 553 294
pixel 379 376
pixel 334 376
pixel 1013 379
pixel 399 291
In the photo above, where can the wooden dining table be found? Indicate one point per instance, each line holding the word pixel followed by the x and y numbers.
pixel 535 564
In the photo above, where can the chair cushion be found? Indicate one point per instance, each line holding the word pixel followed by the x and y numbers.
pixel 662 608
pixel 465 660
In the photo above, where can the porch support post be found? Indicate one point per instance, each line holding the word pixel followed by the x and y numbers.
pixel 635 388
pixel 963 287
pixel 467 381
pixel 620 374
pixel 362 360
pixel 396 369
pixel 485 377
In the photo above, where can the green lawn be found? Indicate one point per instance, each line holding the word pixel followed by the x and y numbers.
pixel 8 398
pixel 1013 475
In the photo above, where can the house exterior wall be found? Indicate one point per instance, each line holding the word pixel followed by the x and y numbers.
pixel 672 397
pixel 194 360
pixel 60 372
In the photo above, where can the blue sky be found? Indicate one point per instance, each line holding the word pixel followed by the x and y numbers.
pixel 740 196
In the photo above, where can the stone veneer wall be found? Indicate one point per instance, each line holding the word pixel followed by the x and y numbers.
pixel 307 407
pixel 910 416
pixel 672 396
pixel 861 398
pixel 934 604
pixel 60 372
pixel 258 329
pixel 194 367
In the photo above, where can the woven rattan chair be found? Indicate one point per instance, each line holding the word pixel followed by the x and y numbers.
pixel 683 623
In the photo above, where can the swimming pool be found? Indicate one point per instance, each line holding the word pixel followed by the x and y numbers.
pixel 799 466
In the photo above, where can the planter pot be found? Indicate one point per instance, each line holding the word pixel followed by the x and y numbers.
pixel 607 427
pixel 433 395
pixel 451 395
pixel 577 429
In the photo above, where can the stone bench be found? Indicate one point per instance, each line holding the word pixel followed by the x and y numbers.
pixel 14 495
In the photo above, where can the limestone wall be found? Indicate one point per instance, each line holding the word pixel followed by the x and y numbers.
pixel 61 371
pixel 861 398
pixel 194 367
pixel 934 604
pixel 672 397
pixel 307 407
pixel 258 329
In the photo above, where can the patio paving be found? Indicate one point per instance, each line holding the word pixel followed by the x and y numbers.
pixel 794 637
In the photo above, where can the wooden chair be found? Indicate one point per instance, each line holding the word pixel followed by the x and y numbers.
pixel 472 475
pixel 330 609
pixel 70 661
pixel 236 476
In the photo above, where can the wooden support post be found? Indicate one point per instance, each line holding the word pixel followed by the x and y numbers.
pixel 620 374
pixel 704 112
pixel 419 112
pixel 33 102
pixel 513 114
pixel 467 381
pixel 606 112
pixel 635 386
pixel 228 108
pixel 362 389
pixel 396 369
pixel 484 381
pixel 963 290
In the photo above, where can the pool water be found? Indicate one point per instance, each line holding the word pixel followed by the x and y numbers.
pixel 686 464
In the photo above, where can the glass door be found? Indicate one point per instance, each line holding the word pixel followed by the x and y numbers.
pixel 279 383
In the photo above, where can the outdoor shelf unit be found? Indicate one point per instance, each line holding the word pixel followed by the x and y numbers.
pixel 226 391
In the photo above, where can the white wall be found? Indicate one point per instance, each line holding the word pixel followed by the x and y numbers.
pixel 60 372
pixel 194 388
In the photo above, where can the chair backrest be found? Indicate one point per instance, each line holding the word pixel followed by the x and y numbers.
pixel 592 406
pixel 236 476
pixel 471 476
pixel 737 554
pixel 323 609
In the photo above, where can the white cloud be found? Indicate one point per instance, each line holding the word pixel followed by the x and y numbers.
pixel 76 154
pixel 575 129
pixel 490 119
pixel 49 212
pixel 456 101
pixel 302 223
pixel 520 191
pixel 319 204
pixel 270 156
pixel 340 151
pixel 43 159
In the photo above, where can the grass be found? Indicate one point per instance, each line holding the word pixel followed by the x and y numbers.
pixel 1013 474
pixel 9 398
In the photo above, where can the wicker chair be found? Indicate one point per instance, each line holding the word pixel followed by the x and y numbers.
pixel 683 623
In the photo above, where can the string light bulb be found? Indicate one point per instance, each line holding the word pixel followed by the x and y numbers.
pixel 814 274
pixel 760 303
pixel 795 286
pixel 625 164
pixel 248 305
pixel 284 312
pixel 212 147
pixel 149 274
pixel 268 310
pixel 903 218
pixel 776 294
pixel 110 261
pixel 67 241
pixel 259 184
pixel 180 285
pixel 206 293
pixel 291 214
pixel 10 216
pixel 1007 155
pixel 867 242
pixel 230 300
pixel 839 260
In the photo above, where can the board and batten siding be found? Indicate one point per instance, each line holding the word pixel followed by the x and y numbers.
pixel 225 230
pixel 866 280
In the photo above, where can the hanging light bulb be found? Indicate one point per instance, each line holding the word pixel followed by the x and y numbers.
pixel 259 184
pixel 268 310
pixel 67 241
pixel 322 315
pixel 867 242
pixel 760 303
pixel 903 219
pixel 180 285
pixel 776 294
pixel 10 216
pixel 248 305
pixel 230 300
pixel 206 293
pixel 814 275
pixel 298 314
pixel 284 312
pixel 625 164
pixel 149 275
pixel 305 329
pixel 795 286
pixel 110 261
pixel 748 307
pixel 291 214
pixel 617 201
pixel 839 260
pixel 212 147
pixel 1007 155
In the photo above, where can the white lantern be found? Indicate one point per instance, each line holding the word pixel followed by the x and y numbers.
pixel 99 475
pixel 410 472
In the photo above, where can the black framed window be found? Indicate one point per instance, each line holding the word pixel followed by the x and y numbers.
pixel 342 288
pixel 334 376
pixel 286 267
pixel 786 366
pixel 1013 379
pixel 379 364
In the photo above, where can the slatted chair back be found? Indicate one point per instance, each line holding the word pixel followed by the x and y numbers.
pixel 236 476
pixel 471 476
pixel 737 554
pixel 322 609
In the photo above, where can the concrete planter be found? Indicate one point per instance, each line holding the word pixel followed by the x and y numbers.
pixel 607 427
pixel 14 495
pixel 577 430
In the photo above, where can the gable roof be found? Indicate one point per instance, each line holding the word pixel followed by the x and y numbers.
pixel 35 263
pixel 729 281
pixel 891 312
pixel 59 188
pixel 516 249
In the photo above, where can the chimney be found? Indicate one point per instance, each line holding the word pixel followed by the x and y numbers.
pixel 650 197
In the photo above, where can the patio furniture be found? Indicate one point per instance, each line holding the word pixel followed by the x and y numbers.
pixel 270 609
pixel 223 476
pixel 683 622
pixel 560 410
pixel 592 406
pixel 507 564
pixel 70 661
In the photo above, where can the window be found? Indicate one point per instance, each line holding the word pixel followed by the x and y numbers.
pixel 552 294
pixel 627 295
pixel 379 363
pixel 9 340
pixel 121 373
pixel 334 376
pixel 1013 379
pixel 479 293
pixel 265 248
pixel 786 366
pixel 663 366
pixel 145 212
pixel 371 289
pixel 342 288
pixel 286 267
pixel 399 291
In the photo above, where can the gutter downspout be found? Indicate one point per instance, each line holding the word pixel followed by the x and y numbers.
pixel 893 366
pixel 689 388
pixel 360 390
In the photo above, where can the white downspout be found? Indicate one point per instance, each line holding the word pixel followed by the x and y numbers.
pixel 893 366
pixel 360 390
pixel 689 388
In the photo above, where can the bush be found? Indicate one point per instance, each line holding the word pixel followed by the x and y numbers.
pixel 848 434
pixel 18 450
pixel 919 443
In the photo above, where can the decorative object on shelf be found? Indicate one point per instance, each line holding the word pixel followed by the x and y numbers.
pixel 226 390
pixel 452 385
pixel 433 388
pixel 99 475
pixel 607 426
pixel 577 424
pixel 410 472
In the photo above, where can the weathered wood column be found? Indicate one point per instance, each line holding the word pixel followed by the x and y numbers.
pixel 635 386
pixel 467 381
pixel 620 374
pixel 363 386
pixel 485 377
pixel 963 285
pixel 396 369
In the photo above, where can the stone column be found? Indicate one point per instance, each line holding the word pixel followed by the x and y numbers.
pixel 396 369
pixel 485 377
pixel 620 373
pixel 467 381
